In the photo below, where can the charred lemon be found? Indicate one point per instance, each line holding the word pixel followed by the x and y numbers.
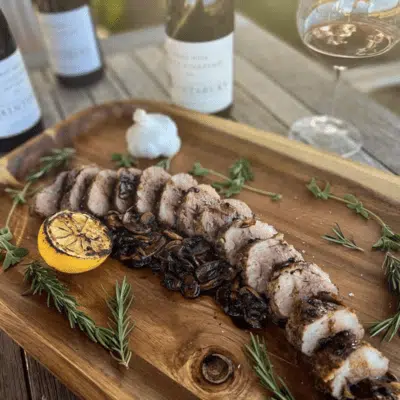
pixel 74 242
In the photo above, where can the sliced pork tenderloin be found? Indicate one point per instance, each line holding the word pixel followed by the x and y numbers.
pixel 343 360
pixel 100 193
pixel 214 219
pixel 77 186
pixel 243 210
pixel 294 282
pixel 171 198
pixel 239 234
pixel 125 190
pixel 259 258
pixel 317 318
pixel 196 200
pixel 210 221
pixel 150 185
pixel 70 182
pixel 47 201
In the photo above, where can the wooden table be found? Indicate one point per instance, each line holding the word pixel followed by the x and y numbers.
pixel 274 86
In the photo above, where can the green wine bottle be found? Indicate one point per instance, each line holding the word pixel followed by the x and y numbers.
pixel 71 41
pixel 199 48
pixel 20 115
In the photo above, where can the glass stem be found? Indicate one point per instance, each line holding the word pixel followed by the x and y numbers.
pixel 338 74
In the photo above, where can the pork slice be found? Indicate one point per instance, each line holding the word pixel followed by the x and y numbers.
pixel 294 282
pixel 196 200
pixel 317 318
pixel 47 201
pixel 259 258
pixel 213 220
pixel 125 190
pixel 100 193
pixel 345 361
pixel 77 186
pixel 243 210
pixel 172 195
pixel 241 233
pixel 69 183
pixel 210 221
pixel 150 185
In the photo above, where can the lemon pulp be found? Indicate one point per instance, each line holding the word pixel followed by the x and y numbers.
pixel 74 242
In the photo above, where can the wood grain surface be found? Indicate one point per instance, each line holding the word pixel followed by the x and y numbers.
pixel 172 335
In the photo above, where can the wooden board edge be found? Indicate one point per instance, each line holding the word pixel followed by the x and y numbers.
pixel 369 177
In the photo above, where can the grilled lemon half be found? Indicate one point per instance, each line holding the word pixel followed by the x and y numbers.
pixel 74 242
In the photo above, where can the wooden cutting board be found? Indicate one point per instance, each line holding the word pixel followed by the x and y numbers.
pixel 173 335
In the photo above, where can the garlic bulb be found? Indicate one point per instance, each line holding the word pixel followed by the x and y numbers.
pixel 152 136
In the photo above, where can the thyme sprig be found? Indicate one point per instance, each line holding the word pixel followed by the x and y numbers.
pixel 120 323
pixel 123 160
pixel 57 158
pixel 388 328
pixel 257 352
pixel 165 163
pixel 9 253
pixel 389 240
pixel 44 280
pixel 239 174
pixel 341 239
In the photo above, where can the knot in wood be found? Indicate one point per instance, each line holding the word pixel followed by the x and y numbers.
pixel 216 368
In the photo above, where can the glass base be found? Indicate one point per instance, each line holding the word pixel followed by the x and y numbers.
pixel 328 133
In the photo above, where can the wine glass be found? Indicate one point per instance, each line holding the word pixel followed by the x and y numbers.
pixel 343 32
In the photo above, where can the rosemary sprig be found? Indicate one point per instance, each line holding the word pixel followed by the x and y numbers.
pixel 164 163
pixel 121 324
pixel 44 280
pixel 123 160
pixel 389 240
pixel 391 267
pixel 389 327
pixel 341 239
pixel 257 352
pixel 239 173
pixel 10 254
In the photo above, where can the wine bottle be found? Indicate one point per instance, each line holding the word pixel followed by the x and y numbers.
pixel 20 115
pixel 199 48
pixel 71 41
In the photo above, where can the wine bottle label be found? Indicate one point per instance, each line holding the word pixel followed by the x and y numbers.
pixel 19 109
pixel 201 74
pixel 71 42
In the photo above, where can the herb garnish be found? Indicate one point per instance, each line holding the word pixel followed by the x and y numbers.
pixel 389 327
pixel 57 158
pixel 121 323
pixel 123 160
pixel 341 239
pixel 391 267
pixel 389 240
pixel 9 253
pixel 264 369
pixel 43 279
pixel 115 338
pixel 164 163
pixel 239 173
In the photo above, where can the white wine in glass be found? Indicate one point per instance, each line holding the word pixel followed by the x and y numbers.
pixel 343 32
